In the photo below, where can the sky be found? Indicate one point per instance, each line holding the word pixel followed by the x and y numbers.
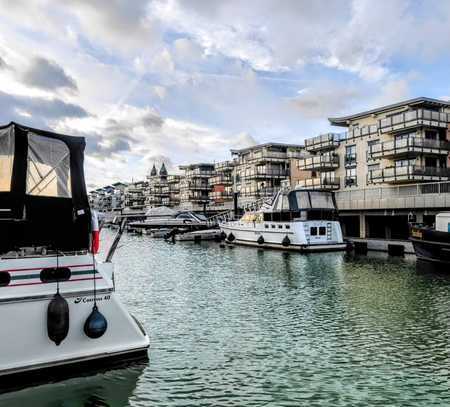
pixel 185 81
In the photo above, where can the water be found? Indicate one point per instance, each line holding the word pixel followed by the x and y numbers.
pixel 246 327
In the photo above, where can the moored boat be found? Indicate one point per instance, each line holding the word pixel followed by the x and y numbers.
pixel 433 244
pixel 297 219
pixel 58 304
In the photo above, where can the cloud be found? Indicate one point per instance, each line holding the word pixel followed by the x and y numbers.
pixel 48 75
pixel 325 99
pixel 3 64
pixel 37 111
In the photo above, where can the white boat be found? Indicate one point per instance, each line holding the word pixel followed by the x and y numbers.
pixel 300 220
pixel 199 235
pixel 164 217
pixel 58 305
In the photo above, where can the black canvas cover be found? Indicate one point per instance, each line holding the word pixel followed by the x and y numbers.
pixel 43 197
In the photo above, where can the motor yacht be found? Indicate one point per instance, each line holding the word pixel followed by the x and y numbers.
pixel 58 304
pixel 300 220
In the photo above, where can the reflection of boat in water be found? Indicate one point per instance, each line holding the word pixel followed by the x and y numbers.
pixel 104 388
pixel 163 217
pixel 296 219
pixel 58 304
pixel 433 244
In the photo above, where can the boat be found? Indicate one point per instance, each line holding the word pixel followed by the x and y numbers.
pixel 294 219
pixel 58 304
pixel 432 244
pixel 200 235
pixel 164 217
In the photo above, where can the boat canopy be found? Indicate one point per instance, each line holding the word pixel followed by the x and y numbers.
pixel 299 199
pixel 43 198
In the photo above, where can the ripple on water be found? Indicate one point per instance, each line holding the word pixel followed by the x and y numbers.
pixel 249 327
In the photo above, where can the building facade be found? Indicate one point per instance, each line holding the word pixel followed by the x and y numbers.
pixel 136 196
pixel 260 170
pixel 195 186
pixel 221 183
pixel 400 145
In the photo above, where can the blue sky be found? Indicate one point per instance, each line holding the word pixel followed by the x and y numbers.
pixel 182 81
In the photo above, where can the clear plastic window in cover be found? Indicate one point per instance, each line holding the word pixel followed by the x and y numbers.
pixel 6 158
pixel 48 172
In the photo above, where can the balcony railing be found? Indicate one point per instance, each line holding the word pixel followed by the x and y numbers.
pixel 221 195
pixel 409 145
pixel 327 141
pixel 414 118
pixel 221 179
pixel 224 166
pixel 200 172
pixel 261 172
pixel 408 173
pixel 258 192
pixel 323 162
pixel 328 183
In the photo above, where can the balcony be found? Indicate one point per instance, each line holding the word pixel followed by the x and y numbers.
pixel 411 146
pixel 265 173
pixel 221 179
pixel 408 173
pixel 323 142
pixel 199 173
pixel 323 162
pixel 414 118
pixel 173 179
pixel 224 166
pixel 325 183
pixel 350 160
pixel 221 196
pixel 252 192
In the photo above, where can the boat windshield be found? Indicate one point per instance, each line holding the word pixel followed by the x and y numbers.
pixel 311 200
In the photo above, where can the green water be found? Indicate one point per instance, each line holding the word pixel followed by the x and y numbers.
pixel 246 327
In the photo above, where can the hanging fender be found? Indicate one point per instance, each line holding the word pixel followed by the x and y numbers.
pixel 96 324
pixel 57 319
pixel 286 241
pixel 230 237
pixel 260 240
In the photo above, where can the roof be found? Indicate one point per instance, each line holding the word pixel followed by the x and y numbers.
pixel 163 170
pixel 259 146
pixel 343 121
pixel 153 171
pixel 194 166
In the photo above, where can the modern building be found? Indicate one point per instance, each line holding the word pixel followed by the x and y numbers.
pixel 260 170
pixel 135 196
pixel 173 191
pixel 108 199
pixel 194 185
pixel 392 148
pixel 157 193
pixel 221 183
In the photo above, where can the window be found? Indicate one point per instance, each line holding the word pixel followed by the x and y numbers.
pixel 287 226
pixel 48 172
pixel 322 200
pixel 273 226
pixel 280 226
pixel 266 226
pixel 350 155
pixel 313 231
pixel 322 230
pixel 350 177
pixel 6 158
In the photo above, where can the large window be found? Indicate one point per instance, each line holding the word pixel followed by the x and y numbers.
pixel 350 177
pixel 350 155
pixel 322 200
pixel 6 158
pixel 48 172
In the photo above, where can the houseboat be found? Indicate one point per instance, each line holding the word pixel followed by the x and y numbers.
pixel 58 305
pixel 299 219
pixel 433 244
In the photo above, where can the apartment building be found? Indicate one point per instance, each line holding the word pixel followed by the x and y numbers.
pixel 221 183
pixel 157 193
pixel 260 170
pixel 135 196
pixel 172 190
pixel 108 199
pixel 402 144
pixel 195 186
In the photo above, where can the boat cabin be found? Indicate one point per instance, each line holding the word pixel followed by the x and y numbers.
pixel 43 198
pixel 302 204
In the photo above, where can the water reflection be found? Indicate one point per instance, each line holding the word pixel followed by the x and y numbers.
pixel 248 327
pixel 113 388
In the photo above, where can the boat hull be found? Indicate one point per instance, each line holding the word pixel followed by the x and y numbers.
pixel 272 234
pixel 431 245
pixel 26 346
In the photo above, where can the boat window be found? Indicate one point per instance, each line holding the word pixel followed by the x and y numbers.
pixel 5 278
pixel 280 226
pixel 266 226
pixel 322 231
pixel 273 226
pixel 301 200
pixel 48 172
pixel 322 200
pixel 54 274
pixel 313 231
pixel 6 158
pixel 287 226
